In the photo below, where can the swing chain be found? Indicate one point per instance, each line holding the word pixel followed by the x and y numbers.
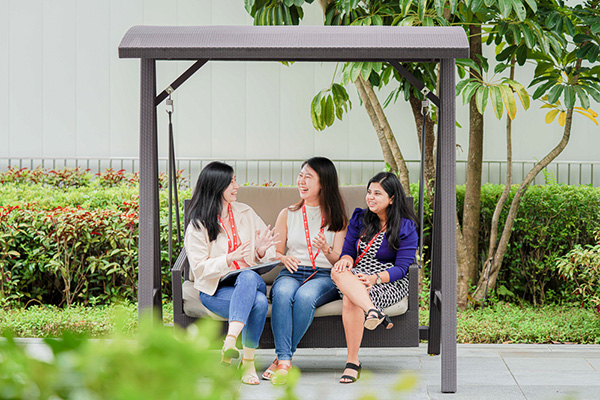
pixel 425 101
pixel 169 101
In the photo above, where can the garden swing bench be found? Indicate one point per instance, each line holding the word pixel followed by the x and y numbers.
pixel 393 45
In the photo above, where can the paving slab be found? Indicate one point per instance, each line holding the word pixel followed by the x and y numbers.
pixel 503 372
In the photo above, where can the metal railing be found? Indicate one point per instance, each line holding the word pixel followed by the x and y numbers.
pixel 355 172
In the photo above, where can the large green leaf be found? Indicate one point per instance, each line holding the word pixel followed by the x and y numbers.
pixel 505 6
pixel 555 93
pixel 509 100
pixel 569 93
pixel 522 54
pixel 496 98
pixel 461 84
pixel 593 91
pixel 329 114
pixel 316 116
pixel 439 7
pixel 355 71
pixel 532 4
pixel 421 8
pixel 366 70
pixel 583 97
pixel 519 8
pixel 467 62
pixel 542 89
pixel 470 91
pixel 527 35
pixel 521 92
pixel 481 98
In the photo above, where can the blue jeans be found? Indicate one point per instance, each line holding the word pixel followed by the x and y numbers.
pixel 245 302
pixel 294 305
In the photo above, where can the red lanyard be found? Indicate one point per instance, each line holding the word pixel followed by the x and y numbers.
pixel 366 248
pixel 234 245
pixel 307 234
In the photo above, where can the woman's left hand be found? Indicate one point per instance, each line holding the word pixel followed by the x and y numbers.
pixel 321 243
pixel 265 239
pixel 367 280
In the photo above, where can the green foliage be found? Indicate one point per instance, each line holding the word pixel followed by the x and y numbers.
pixel 509 323
pixel 96 321
pixel 551 220
pixel 581 266
pixel 160 364
pixel 74 244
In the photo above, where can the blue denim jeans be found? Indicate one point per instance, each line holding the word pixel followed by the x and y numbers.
pixel 294 305
pixel 245 301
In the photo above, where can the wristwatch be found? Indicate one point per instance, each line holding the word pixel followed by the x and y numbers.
pixel 379 281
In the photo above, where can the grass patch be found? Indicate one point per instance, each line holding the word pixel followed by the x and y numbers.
pixel 509 323
pixel 51 321
pixel 499 323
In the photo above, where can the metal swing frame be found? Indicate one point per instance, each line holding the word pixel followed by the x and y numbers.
pixel 393 45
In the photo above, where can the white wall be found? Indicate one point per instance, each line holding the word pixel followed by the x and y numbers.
pixel 65 93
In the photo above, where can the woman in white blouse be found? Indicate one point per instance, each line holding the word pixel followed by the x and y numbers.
pixel 225 235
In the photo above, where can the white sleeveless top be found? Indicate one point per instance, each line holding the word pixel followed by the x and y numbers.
pixel 296 238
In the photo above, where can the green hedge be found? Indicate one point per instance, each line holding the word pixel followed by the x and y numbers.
pixel 74 240
pixel 81 234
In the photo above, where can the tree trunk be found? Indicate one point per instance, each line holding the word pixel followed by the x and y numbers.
pixel 388 157
pixel 467 273
pixel 387 130
pixel 487 283
pixel 415 104
pixel 503 197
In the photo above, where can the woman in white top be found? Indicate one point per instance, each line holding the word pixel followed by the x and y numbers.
pixel 224 235
pixel 313 231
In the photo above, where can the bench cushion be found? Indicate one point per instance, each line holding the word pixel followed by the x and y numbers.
pixel 193 307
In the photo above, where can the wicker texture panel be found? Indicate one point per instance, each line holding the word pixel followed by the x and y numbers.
pixel 294 43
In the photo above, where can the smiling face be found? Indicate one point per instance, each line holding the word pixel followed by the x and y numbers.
pixel 309 186
pixel 230 193
pixel 378 200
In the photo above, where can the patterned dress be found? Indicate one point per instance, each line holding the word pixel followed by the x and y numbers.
pixel 385 294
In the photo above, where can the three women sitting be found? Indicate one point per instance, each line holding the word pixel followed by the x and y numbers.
pixel 371 273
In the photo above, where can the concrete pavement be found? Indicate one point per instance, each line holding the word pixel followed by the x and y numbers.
pixel 507 371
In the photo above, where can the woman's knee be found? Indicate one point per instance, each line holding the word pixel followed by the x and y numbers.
pixel 248 277
pixel 261 304
pixel 284 290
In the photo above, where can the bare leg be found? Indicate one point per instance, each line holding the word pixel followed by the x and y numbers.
pixel 233 331
pixel 229 350
pixel 353 319
pixel 352 288
pixel 249 375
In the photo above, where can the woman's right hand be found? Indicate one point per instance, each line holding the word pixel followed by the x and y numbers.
pixel 238 254
pixel 291 263
pixel 343 264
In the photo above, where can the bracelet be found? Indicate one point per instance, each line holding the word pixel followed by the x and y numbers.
pixel 329 251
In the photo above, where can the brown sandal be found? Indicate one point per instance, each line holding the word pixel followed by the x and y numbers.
pixel 270 372
pixel 248 378
pixel 280 377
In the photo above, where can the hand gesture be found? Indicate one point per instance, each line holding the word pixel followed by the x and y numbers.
pixel 265 240
pixel 238 254
pixel 365 280
pixel 291 263
pixel 344 264
pixel 320 242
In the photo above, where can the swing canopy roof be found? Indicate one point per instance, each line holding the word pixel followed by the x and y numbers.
pixel 309 43
pixel 295 43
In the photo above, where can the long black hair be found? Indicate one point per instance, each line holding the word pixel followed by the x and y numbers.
pixel 400 208
pixel 207 201
pixel 330 198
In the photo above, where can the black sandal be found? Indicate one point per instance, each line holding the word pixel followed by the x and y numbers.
pixel 374 322
pixel 352 379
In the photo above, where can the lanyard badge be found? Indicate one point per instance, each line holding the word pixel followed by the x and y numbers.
pixel 232 244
